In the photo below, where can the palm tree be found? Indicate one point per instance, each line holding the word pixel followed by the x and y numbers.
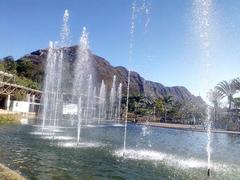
pixel 158 104
pixel 167 100
pixel 236 102
pixel 226 89
pixel 236 83
pixel 214 98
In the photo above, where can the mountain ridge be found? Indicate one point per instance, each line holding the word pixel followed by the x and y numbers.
pixel 103 71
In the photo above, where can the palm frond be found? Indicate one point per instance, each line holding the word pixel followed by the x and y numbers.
pixel 214 96
pixel 236 83
pixel 225 88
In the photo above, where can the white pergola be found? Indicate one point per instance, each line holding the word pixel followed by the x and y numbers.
pixel 9 88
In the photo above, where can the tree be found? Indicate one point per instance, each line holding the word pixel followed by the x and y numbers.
pixel 9 65
pixel 226 89
pixel 188 111
pixel 158 103
pixel 236 83
pixel 145 106
pixel 236 102
pixel 167 101
pixel 26 82
pixel 134 103
pixel 214 98
pixel 2 67
pixel 177 112
pixel 28 69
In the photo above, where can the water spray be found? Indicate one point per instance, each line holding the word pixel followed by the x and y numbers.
pixel 202 11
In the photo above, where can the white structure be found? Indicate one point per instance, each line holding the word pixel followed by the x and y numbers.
pixel 9 89
pixel 8 102
pixel 71 109
pixel 21 106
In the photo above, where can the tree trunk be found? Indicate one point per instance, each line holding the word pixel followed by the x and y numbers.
pixel 229 108
pixel 230 105
pixel 165 114
pixel 215 112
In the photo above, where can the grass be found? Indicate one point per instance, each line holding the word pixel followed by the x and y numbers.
pixel 9 118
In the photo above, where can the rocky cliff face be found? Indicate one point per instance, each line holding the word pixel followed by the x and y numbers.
pixel 105 71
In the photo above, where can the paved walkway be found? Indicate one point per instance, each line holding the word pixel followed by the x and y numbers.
pixel 188 127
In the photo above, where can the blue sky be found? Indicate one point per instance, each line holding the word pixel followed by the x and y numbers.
pixel 168 52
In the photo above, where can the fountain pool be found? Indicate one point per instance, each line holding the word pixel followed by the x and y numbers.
pixel 173 154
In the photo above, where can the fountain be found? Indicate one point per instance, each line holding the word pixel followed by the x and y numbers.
pixel 79 119
pixel 202 9
pixel 52 90
pixel 132 30
pixel 83 98
pixel 112 98
pixel 94 101
pixel 152 152
pixel 101 102
pixel 83 75
pixel 53 78
pixel 119 101
pixel 89 89
pixel 145 7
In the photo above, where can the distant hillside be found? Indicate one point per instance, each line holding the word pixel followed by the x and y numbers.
pixel 31 67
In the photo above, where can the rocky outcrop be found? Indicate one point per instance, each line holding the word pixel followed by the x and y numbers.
pixel 105 71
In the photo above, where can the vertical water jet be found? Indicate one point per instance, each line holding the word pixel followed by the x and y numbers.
pixel 119 101
pixel 112 98
pixel 93 108
pixel 132 30
pixel 53 77
pixel 202 13
pixel 82 71
pixel 79 119
pixel 89 89
pixel 101 102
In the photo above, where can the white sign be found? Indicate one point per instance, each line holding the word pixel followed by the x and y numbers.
pixel 70 109
pixel 20 106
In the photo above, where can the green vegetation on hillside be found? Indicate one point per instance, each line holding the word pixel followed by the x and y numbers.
pixel 26 82
pixel 165 109
pixel 26 73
